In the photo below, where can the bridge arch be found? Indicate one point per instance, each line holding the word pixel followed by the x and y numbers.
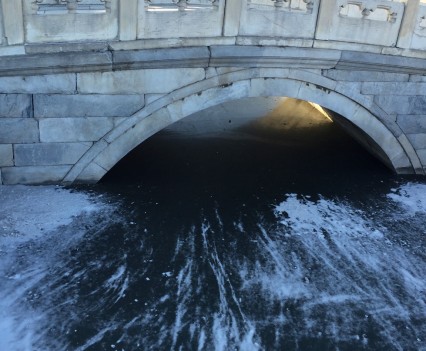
pixel 357 110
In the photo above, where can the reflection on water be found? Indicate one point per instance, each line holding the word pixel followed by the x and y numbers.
pixel 284 241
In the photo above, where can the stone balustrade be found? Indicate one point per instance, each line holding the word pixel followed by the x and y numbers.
pixel 379 26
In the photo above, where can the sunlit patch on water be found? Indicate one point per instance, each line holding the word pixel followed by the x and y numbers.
pixel 319 274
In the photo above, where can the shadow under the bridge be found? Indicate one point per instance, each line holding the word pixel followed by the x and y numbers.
pixel 252 145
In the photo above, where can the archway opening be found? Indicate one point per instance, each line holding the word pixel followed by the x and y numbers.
pixel 260 145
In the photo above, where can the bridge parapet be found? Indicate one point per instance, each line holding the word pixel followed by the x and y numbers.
pixel 380 26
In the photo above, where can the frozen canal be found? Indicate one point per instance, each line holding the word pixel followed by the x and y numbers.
pixel 298 243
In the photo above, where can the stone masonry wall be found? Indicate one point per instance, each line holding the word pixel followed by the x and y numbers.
pixel 47 123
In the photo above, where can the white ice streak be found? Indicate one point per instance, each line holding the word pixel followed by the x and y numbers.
pixel 30 217
pixel 182 296
pixel 29 211
pixel 231 329
pixel 328 253
pixel 410 196
pixel 118 281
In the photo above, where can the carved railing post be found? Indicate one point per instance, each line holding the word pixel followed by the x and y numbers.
pixel 181 4
pixel 309 5
pixel 280 3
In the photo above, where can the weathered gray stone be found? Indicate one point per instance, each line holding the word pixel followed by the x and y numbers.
pixel 148 81
pixel 6 155
pixel 12 50
pixel 274 41
pixel 418 78
pixel 145 44
pixel 49 154
pixel 404 105
pixel 346 27
pixel 352 60
pixel 70 129
pixel 418 140
pixel 422 157
pixel 51 48
pixel 47 84
pixel 289 57
pixel 128 20
pixel 18 130
pixel 393 88
pixel 365 76
pixel 345 46
pixel 152 97
pixel 87 105
pixel 1 178
pixel 412 124
pixel 15 105
pixel 161 58
pixel 55 63
pixel 34 174
pixel 91 173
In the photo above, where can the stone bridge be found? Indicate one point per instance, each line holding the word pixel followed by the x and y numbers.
pixel 83 82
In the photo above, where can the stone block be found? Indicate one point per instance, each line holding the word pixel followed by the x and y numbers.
pixel 48 84
pixel 87 105
pixel 402 104
pixel 208 98
pixel 422 157
pixel 161 58
pixel 274 87
pixel 70 129
pixel 160 22
pixel 312 77
pixel 417 78
pixel 128 19
pixel 231 23
pixel 75 47
pixel 18 130
pixel 148 81
pixel 49 154
pixel 13 22
pixel 268 21
pixel 417 140
pixel 346 46
pixel 6 155
pixel 15 105
pixel 12 50
pixel 91 174
pixel 393 88
pixel 275 41
pixel 62 62
pixel 69 26
pixel 365 76
pixel 163 43
pixel 288 57
pixel 341 22
pixel 152 97
pixel 351 60
pixel 34 174
pixel 412 124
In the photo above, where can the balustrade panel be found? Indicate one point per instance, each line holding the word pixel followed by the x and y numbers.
pixel 70 20
pixel 180 18
pixel 419 36
pixel 279 18
pixel 363 21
